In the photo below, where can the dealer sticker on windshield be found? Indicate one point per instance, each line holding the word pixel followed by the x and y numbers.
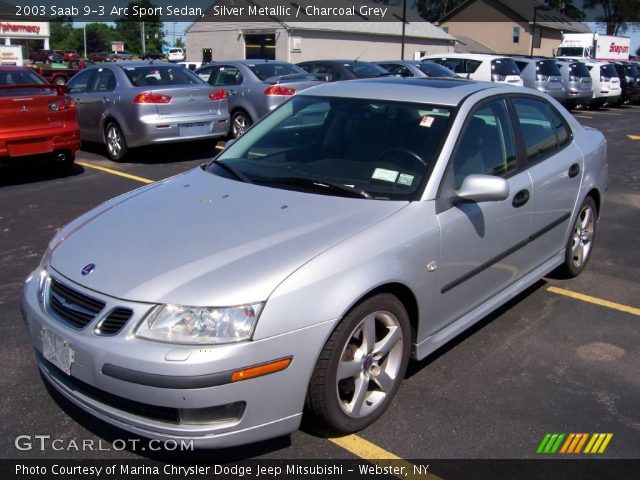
pixel 426 121
pixel 404 179
pixel 385 175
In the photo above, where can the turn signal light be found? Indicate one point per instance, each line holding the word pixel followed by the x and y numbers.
pixel 260 370
pixel 279 90
pixel 150 97
pixel 218 95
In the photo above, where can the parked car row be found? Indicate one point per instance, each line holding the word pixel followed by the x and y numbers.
pixel 570 81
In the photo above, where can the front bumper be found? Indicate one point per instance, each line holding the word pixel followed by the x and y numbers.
pixel 271 405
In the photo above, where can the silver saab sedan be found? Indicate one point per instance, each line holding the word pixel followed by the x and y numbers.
pixel 357 226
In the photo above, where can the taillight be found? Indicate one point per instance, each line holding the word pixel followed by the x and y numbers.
pixel 218 95
pixel 61 105
pixel 604 79
pixel 279 90
pixel 542 78
pixel 497 78
pixel 150 97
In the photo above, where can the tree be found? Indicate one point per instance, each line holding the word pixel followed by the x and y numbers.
pixel 567 7
pixel 130 31
pixel 60 29
pixel 433 10
pixel 617 15
pixel 99 37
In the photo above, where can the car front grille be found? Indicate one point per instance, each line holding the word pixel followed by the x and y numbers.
pixel 114 322
pixel 72 307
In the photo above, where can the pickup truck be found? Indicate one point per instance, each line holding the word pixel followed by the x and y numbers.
pixel 59 73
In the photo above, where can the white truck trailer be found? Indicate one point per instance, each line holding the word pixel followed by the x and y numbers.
pixel 594 46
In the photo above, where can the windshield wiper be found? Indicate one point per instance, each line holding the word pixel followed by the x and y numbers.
pixel 236 173
pixel 322 186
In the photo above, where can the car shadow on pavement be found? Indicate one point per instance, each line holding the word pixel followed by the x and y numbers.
pixel 159 154
pixel 416 366
pixel 11 175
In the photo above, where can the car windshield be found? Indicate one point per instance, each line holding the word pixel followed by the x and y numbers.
pixel 433 69
pixel 504 66
pixel 341 146
pixel 570 52
pixel 365 70
pixel 162 75
pixel 268 70
pixel 547 67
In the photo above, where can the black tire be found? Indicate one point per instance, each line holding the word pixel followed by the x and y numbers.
pixel 333 404
pixel 115 142
pixel 240 122
pixel 580 243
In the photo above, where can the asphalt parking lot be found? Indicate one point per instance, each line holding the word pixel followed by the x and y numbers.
pixel 562 357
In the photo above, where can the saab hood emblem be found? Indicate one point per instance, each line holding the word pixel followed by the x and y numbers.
pixel 87 269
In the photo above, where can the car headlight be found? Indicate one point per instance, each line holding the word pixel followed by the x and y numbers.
pixel 199 325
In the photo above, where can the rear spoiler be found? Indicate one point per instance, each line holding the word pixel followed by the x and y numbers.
pixel 60 89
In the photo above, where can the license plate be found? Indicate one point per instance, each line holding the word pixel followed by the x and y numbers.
pixel 57 350
pixel 188 129
pixel 29 147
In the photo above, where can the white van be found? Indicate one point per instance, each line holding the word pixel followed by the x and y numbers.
pixel 606 83
pixel 486 68
pixel 176 54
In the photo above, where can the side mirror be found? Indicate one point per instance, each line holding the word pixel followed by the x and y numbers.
pixel 483 188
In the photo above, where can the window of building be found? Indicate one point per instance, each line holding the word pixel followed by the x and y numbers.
pixel 516 34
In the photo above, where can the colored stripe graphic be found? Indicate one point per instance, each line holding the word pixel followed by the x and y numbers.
pixel 572 443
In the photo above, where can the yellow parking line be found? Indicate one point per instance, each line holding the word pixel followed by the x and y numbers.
pixel 595 300
pixel 581 116
pixel 219 147
pixel 379 456
pixel 115 172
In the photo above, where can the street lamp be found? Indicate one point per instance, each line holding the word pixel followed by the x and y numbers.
pixel 533 28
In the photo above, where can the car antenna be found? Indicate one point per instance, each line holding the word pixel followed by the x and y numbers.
pixel 358 57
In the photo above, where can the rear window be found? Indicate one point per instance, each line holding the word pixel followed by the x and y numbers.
pixel 161 75
pixel 547 67
pixel 608 71
pixel 579 70
pixel 433 69
pixel 272 69
pixel 365 70
pixel 504 66
pixel 20 77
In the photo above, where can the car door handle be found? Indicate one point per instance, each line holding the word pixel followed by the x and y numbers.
pixel 520 198
pixel 574 170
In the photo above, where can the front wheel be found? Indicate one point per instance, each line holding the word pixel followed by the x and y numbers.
pixel 580 243
pixel 115 141
pixel 361 366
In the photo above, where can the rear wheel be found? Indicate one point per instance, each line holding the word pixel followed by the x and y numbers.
pixel 361 366
pixel 115 142
pixel 580 243
pixel 240 123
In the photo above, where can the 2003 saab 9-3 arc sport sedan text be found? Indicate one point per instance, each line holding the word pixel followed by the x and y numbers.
pixel 357 225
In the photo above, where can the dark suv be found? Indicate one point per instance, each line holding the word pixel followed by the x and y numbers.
pixel 629 81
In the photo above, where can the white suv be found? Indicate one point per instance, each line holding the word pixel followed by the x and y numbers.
pixel 176 54
pixel 606 83
pixel 487 68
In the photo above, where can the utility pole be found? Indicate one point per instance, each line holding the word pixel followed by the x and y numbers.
pixel 144 48
pixel 84 36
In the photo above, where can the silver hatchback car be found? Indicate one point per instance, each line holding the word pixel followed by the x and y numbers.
pixel 358 225
pixel 131 104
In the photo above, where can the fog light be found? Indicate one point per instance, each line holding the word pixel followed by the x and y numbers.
pixel 231 412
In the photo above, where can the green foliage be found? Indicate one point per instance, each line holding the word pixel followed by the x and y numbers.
pixel 567 7
pixel 434 10
pixel 617 15
pixel 130 32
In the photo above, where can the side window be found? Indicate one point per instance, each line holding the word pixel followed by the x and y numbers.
pixel 104 81
pixel 208 74
pixel 543 130
pixel 229 75
pixel 80 82
pixel 486 146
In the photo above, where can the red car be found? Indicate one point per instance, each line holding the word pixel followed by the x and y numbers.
pixel 70 55
pixel 37 119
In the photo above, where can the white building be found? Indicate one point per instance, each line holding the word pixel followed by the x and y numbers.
pixel 13 33
pixel 299 41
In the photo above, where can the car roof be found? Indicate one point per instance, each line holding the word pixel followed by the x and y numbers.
pixel 448 92
pixel 16 68
pixel 472 56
